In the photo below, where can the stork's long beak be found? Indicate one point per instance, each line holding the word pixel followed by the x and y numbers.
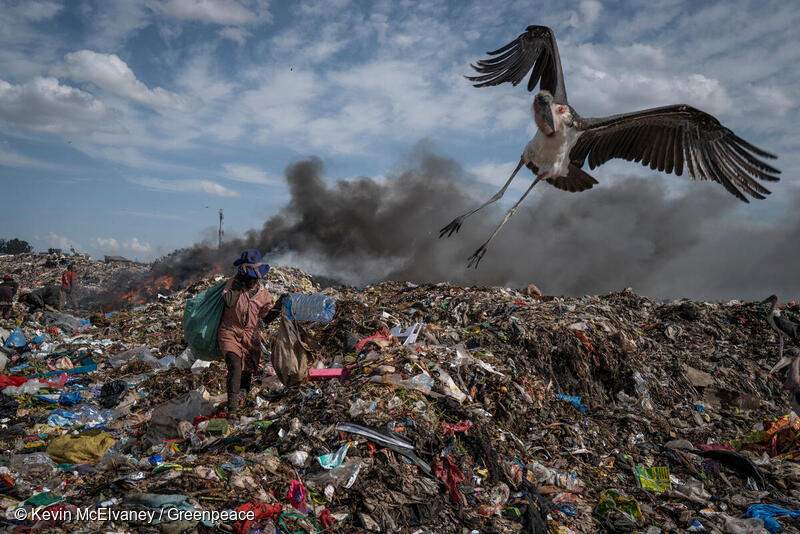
pixel 543 116
pixel 784 362
pixel 547 118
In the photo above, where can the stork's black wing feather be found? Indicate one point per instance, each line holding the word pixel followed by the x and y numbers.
pixel 672 138
pixel 535 49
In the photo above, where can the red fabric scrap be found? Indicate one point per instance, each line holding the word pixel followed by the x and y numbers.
pixel 384 335
pixel 454 428
pixel 326 519
pixel 261 510
pixel 297 496
pixel 199 419
pixel 446 470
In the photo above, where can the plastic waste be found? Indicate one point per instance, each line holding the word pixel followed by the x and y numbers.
pixel 139 353
pixel 112 393
pixel 166 417
pixel 317 308
pixel 497 499
pixel 235 464
pixel 335 459
pixel 359 407
pixel 201 318
pixel 449 385
pixel 561 479
pixel 641 386
pixel 16 339
pixel 36 464
pixel 343 476
pixel 576 401
pixel 298 458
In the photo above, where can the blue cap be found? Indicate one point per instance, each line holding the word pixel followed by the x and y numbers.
pixel 249 262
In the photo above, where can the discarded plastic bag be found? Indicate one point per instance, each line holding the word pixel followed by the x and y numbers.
pixel 16 339
pixel 76 448
pixel 335 459
pixel 166 417
pixel 290 353
pixel 201 319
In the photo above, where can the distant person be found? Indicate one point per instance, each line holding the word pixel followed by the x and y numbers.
pixel 238 335
pixel 67 281
pixel 7 291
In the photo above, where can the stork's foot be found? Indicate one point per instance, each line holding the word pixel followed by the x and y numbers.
pixel 451 228
pixel 475 259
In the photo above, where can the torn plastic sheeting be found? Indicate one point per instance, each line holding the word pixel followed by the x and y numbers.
pixel 16 339
pixel 83 369
pixel 335 459
pixel 768 512
pixel 446 470
pixel 454 428
pixel 397 445
pixel 166 416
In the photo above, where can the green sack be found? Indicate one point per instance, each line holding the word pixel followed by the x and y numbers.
pixel 201 319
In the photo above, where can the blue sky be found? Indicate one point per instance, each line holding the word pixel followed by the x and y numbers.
pixel 125 125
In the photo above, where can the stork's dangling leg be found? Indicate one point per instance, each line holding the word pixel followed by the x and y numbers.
pixel 476 258
pixel 780 344
pixel 455 225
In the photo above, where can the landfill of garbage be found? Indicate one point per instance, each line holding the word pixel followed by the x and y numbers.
pixel 427 409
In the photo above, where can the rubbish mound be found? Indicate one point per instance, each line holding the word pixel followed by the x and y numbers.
pixel 427 408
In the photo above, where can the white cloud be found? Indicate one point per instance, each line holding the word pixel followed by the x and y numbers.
pixel 774 99
pixel 37 11
pixel 184 186
pixel 9 158
pixel 58 241
pixel 246 173
pixel 137 246
pixel 237 35
pixel 43 104
pixel 227 12
pixel 109 72
pixel 107 243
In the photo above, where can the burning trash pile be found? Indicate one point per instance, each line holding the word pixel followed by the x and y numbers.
pixel 423 408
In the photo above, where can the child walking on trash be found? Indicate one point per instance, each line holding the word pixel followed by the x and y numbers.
pixel 239 339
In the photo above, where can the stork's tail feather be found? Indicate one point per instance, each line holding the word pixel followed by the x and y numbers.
pixel 576 180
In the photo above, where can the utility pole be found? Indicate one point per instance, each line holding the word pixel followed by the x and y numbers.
pixel 220 228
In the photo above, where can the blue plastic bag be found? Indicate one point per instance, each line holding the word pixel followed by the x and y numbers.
pixel 16 339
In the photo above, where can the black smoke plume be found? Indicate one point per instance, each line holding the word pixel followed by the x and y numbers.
pixel 631 233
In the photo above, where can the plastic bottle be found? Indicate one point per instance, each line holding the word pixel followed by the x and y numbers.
pixel 317 308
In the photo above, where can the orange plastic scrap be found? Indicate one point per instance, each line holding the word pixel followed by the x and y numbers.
pixel 783 436
pixel 586 345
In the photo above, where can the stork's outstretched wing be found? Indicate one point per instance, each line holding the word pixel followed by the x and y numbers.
pixel 671 137
pixel 537 49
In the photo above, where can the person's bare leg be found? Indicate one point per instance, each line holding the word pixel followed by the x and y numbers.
pixel 234 381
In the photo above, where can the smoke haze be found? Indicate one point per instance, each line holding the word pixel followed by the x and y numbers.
pixel 630 233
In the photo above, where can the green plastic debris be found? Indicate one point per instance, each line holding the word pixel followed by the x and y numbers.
pixel 201 318
pixel 43 499
pixel 652 478
pixel 217 427
pixel 613 500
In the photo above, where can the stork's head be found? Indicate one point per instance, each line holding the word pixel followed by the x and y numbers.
pixel 543 113
pixel 549 115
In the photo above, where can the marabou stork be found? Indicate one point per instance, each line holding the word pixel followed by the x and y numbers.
pixel 780 324
pixel 668 138
pixel 792 383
